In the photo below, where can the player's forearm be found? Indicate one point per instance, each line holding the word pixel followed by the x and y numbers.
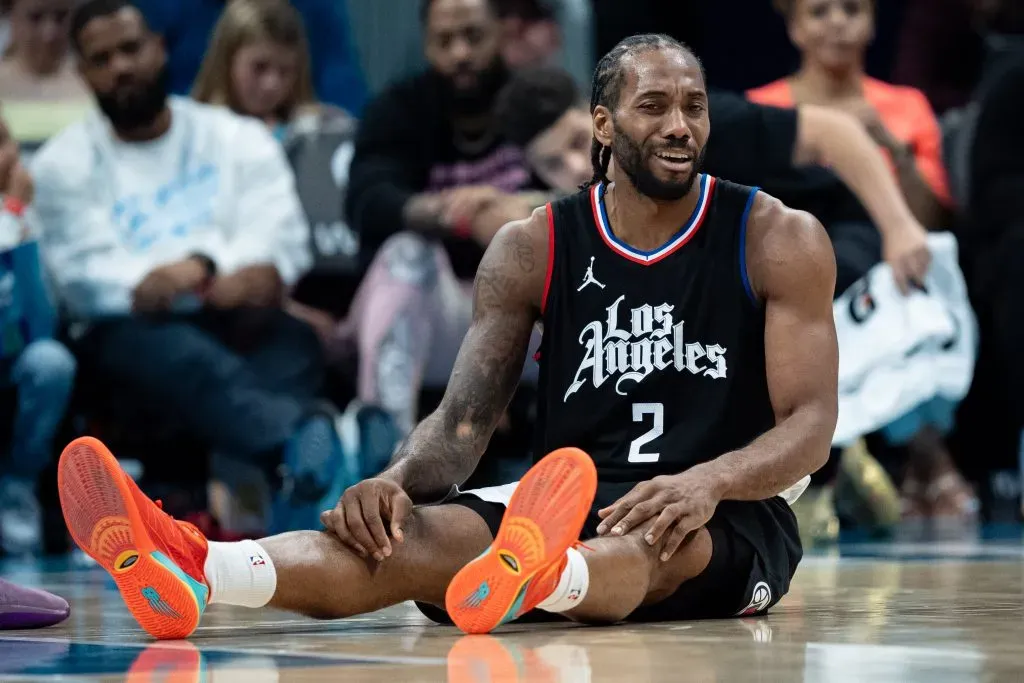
pixel 436 456
pixel 444 449
pixel 796 447
pixel 840 142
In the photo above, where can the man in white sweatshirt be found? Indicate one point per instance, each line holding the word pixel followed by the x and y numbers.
pixel 173 230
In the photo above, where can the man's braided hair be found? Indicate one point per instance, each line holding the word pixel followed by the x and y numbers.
pixel 609 77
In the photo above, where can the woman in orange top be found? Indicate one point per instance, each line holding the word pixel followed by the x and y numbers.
pixel 833 36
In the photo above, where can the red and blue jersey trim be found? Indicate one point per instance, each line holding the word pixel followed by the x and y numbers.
pixel 676 242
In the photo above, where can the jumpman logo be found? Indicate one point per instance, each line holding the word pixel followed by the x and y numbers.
pixel 589 278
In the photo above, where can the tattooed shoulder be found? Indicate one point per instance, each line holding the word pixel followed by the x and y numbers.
pixel 522 251
pixel 514 265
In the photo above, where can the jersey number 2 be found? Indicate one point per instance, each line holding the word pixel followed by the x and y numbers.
pixel 640 411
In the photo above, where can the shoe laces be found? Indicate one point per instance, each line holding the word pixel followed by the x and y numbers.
pixel 188 526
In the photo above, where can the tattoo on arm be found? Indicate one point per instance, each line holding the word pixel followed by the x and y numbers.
pixel 523 252
pixel 444 449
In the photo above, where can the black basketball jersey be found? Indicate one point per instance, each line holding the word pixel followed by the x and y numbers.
pixel 651 362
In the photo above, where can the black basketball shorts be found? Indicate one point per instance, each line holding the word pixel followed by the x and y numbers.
pixel 755 552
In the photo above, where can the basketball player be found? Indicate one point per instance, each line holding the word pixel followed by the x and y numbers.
pixel 678 402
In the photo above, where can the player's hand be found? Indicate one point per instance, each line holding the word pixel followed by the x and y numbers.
pixel 907 253
pixel 679 504
pixel 360 516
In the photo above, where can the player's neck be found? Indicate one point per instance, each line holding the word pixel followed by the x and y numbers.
pixel 814 84
pixel 644 223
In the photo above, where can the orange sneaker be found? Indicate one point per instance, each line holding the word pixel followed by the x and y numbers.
pixel 524 564
pixel 156 561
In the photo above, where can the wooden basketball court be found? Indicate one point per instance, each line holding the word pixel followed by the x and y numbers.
pixel 905 612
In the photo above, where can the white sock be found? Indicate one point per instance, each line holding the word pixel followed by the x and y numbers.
pixel 240 574
pixel 572 586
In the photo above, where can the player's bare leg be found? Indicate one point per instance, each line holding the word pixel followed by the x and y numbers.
pixel 602 581
pixel 626 572
pixel 531 565
pixel 167 572
pixel 320 577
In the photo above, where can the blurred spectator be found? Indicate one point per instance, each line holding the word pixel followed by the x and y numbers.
pixel 996 190
pixel 995 173
pixel 173 229
pixel 530 33
pixel 258 65
pixel 940 51
pixel 390 43
pixel 543 112
pixel 186 26
pixel 833 36
pixel 41 90
pixel 433 180
pixel 40 369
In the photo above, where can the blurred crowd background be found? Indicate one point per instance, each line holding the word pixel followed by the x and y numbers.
pixel 238 237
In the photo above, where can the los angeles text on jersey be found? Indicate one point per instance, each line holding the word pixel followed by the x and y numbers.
pixel 650 341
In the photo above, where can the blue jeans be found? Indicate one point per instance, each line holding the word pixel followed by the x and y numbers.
pixel 939 413
pixel 43 374
pixel 241 381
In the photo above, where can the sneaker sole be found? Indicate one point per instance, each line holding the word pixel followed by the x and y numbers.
pixel 105 523
pixel 544 518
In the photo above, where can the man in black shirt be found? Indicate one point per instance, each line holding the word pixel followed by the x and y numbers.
pixel 993 170
pixel 431 181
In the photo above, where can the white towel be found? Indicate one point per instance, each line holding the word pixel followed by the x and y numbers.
pixel 897 352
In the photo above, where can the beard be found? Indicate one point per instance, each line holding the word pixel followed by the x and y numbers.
pixel 479 99
pixel 634 161
pixel 140 108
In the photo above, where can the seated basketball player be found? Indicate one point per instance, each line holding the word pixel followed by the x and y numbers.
pixel 688 379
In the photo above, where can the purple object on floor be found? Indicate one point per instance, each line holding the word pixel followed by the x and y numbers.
pixel 29 608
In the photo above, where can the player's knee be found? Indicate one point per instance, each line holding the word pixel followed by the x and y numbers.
pixel 687 562
pixel 638 544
